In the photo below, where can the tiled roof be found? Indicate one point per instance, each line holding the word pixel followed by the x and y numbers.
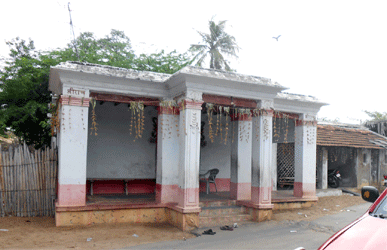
pixel 331 135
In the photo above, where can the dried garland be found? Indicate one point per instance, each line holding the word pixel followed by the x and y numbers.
pixel 55 122
pixel 137 119
pixel 227 113
pixel 221 128
pixel 93 117
pixel 182 108
pixel 276 135
pixel 170 105
pixel 286 125
pixel 210 111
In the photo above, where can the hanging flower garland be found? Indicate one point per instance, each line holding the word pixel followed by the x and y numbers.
pixel 93 117
pixel 137 119
pixel 55 122
pixel 286 125
pixel 171 105
pixel 227 113
pixel 210 111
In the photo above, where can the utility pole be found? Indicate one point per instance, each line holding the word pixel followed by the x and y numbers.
pixel 72 29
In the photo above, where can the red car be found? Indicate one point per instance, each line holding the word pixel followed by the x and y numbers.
pixel 368 231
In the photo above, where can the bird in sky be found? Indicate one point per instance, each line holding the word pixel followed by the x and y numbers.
pixel 276 38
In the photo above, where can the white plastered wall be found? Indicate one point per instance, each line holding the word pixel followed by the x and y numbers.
pixel 216 154
pixel 113 153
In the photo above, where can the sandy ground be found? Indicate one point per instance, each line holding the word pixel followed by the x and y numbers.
pixel 41 233
pixel 325 206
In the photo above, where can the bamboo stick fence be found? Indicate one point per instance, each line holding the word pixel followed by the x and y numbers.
pixel 28 181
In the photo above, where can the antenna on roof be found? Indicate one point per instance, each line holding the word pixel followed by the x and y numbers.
pixel 72 29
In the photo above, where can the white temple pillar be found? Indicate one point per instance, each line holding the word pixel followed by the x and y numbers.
pixel 167 155
pixel 241 148
pixel 324 171
pixel 274 168
pixel 261 185
pixel 72 148
pixel 305 157
pixel 189 160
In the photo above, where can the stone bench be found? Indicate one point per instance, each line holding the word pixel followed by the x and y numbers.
pixel 108 179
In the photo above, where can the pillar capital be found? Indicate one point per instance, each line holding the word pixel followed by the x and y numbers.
pixel 168 110
pixel 193 95
pixel 191 104
pixel 306 123
pixel 306 120
pixel 74 101
pixel 266 104
pixel 266 112
pixel 191 100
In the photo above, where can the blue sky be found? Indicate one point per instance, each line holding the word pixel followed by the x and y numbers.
pixel 333 50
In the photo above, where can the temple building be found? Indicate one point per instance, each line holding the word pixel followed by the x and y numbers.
pixel 133 144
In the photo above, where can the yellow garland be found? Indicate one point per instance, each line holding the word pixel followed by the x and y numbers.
pixel 93 117
pixel 137 119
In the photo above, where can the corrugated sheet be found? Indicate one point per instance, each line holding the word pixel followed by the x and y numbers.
pixel 330 135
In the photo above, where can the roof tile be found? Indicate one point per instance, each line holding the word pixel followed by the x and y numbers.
pixel 330 135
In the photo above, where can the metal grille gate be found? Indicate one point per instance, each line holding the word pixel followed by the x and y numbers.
pixel 285 164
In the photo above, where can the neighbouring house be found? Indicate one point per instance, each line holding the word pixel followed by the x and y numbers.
pixel 358 153
pixel 379 127
pixel 145 137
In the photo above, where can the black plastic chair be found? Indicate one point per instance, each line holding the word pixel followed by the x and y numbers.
pixel 211 178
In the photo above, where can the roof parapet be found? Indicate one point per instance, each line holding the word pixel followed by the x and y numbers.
pixel 297 97
pixel 113 71
pixel 226 75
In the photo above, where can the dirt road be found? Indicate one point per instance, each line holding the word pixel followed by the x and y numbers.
pixel 41 233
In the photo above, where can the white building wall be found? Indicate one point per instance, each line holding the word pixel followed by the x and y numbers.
pixel 113 153
pixel 216 154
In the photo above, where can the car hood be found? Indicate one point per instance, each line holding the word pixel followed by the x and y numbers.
pixel 368 233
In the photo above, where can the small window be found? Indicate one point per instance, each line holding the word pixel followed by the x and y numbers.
pixel 364 158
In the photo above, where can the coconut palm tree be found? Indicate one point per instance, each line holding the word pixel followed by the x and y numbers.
pixel 217 44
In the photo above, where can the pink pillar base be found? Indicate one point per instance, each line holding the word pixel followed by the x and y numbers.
pixel 188 199
pixel 166 193
pixel 240 191
pixel 72 195
pixel 303 190
pixel 261 196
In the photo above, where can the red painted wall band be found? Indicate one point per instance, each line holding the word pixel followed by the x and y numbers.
pixel 168 110
pixel 74 101
pixel 190 104
pixel 306 123
pixel 118 187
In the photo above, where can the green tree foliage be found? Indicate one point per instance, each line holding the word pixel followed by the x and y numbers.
pixel 216 44
pixel 376 116
pixel 3 127
pixel 162 62
pixel 24 94
pixel 114 50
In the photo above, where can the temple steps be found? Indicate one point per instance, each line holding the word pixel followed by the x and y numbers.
pixel 220 213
